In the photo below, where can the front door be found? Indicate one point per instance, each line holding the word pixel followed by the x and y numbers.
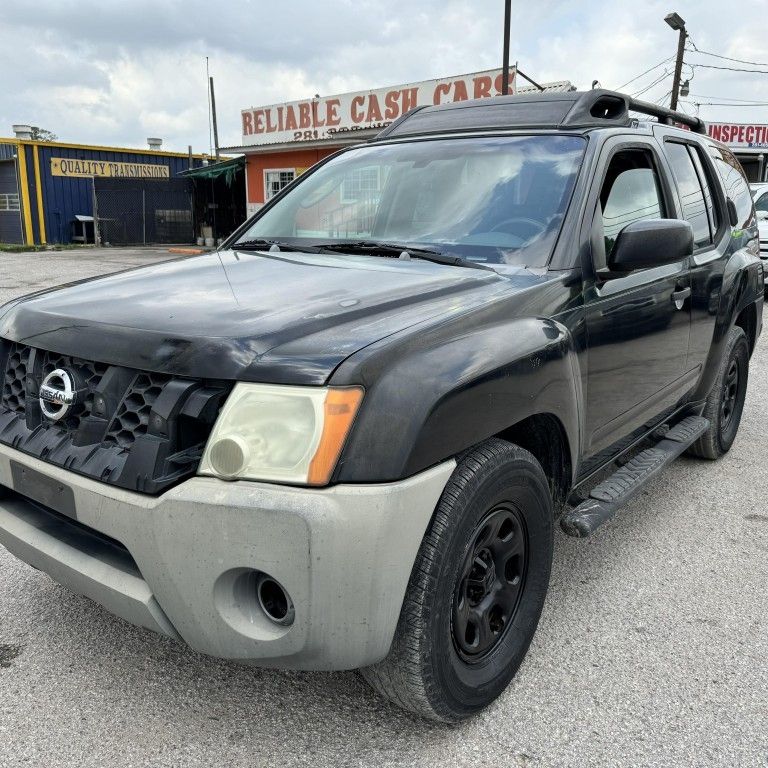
pixel 638 324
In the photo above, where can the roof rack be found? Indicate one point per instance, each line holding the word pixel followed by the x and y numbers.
pixel 598 108
pixel 662 114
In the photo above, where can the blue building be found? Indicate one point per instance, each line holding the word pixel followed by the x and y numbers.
pixel 50 192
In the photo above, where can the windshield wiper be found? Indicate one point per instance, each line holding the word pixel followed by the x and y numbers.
pixel 261 244
pixel 373 248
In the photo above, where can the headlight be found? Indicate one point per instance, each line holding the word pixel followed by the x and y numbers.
pixel 281 433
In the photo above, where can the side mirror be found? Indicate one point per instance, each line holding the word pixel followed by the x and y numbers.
pixel 651 243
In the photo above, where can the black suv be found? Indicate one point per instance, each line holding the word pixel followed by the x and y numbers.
pixel 343 440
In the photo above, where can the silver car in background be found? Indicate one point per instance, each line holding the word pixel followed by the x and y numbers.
pixel 760 196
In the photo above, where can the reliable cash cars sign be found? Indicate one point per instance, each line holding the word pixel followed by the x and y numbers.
pixel 740 135
pixel 324 118
pixel 64 166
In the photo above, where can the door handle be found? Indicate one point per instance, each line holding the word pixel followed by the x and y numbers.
pixel 679 297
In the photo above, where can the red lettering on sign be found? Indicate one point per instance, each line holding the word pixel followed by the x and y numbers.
pixel 392 106
pixel 305 115
pixel 258 124
pixel 290 118
pixel 356 109
pixel 460 91
pixel 374 112
pixel 482 87
pixel 271 127
pixel 280 119
pixel 332 112
pixel 247 123
pixel 441 89
pixel 410 99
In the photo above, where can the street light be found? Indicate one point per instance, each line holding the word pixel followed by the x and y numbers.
pixel 675 21
pixel 678 24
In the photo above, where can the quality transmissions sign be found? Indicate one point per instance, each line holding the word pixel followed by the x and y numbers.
pixel 327 117
pixel 64 166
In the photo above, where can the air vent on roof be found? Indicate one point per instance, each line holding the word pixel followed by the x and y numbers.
pixel 608 108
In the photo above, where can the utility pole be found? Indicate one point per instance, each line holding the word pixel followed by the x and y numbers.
pixel 505 63
pixel 676 22
pixel 215 124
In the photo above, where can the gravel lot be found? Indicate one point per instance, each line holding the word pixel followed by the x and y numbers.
pixel 652 650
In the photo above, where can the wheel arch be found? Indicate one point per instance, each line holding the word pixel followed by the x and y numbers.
pixel 545 437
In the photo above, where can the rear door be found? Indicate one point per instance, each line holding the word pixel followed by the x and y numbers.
pixel 702 203
pixel 638 324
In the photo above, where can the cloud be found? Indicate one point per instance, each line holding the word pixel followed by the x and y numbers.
pixel 114 73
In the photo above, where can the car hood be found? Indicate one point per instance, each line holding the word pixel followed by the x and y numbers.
pixel 249 316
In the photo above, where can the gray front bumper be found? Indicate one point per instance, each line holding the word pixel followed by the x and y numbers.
pixel 344 554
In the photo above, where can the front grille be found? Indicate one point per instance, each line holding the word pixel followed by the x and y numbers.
pixel 15 379
pixel 132 417
pixel 134 429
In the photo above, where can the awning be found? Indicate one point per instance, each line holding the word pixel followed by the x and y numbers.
pixel 227 168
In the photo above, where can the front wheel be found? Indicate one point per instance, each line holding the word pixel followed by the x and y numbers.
pixel 477 588
pixel 726 400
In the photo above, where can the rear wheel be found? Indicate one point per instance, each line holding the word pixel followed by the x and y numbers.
pixel 477 588
pixel 726 400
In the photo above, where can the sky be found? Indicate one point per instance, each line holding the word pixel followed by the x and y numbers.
pixel 114 73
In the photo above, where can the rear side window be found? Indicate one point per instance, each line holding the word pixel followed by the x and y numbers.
pixel 695 195
pixel 734 182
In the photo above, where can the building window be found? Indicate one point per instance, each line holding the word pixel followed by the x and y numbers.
pixel 9 202
pixel 274 181
pixel 361 184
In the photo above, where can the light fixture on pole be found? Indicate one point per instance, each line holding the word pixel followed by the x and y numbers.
pixel 685 89
pixel 677 23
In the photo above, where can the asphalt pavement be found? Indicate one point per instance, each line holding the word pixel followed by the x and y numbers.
pixel 652 649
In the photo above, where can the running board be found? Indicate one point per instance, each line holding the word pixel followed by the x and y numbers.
pixel 608 497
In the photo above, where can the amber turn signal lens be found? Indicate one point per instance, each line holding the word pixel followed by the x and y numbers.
pixel 341 406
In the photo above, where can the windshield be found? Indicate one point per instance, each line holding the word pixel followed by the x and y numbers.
pixel 497 200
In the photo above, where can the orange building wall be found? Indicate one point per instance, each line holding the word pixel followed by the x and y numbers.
pixel 298 159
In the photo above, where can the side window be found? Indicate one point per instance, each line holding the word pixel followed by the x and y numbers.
pixel 631 192
pixel 761 204
pixel 695 209
pixel 734 182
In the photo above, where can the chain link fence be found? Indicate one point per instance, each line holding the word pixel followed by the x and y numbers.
pixel 142 211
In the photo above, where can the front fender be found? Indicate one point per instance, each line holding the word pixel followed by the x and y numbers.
pixel 433 396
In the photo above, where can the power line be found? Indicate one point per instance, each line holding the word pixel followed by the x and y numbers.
pixel 731 69
pixel 650 69
pixel 730 104
pixel 648 87
pixel 726 58
pixel 721 98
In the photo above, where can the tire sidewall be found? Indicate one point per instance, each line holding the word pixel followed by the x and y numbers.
pixel 468 687
pixel 737 349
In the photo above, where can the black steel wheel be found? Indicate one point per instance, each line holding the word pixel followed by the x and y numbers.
pixel 725 403
pixel 477 588
pixel 490 583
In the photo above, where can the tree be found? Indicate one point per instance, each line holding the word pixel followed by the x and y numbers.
pixel 41 134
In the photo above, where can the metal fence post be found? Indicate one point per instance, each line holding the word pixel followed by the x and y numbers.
pixel 144 216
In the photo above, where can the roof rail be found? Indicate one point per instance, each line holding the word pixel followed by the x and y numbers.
pixel 598 108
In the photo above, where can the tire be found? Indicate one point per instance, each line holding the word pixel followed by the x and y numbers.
pixel 725 402
pixel 443 664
